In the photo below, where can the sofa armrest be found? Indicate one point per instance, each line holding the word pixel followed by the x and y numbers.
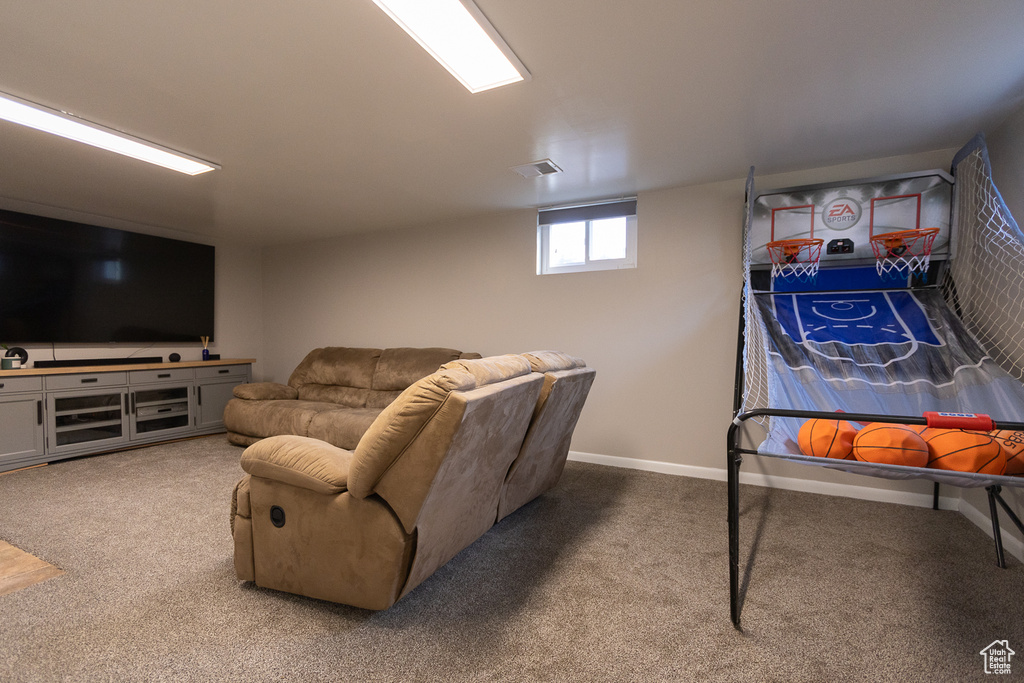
pixel 265 391
pixel 299 461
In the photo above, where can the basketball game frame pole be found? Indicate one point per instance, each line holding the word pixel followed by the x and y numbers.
pixel 734 459
pixel 992 493
pixel 993 497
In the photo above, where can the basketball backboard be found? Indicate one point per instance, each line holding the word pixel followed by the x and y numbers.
pixel 846 215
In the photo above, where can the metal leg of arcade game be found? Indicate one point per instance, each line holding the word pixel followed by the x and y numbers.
pixel 993 497
pixel 733 468
pixel 996 534
pixel 735 459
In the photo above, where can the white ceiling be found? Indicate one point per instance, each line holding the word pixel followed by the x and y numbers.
pixel 327 118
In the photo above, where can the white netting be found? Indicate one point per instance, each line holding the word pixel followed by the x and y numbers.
pixel 985 282
pixel 899 254
pixel 756 391
pixel 795 260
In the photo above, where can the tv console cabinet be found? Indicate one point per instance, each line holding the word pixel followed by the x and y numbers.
pixel 47 414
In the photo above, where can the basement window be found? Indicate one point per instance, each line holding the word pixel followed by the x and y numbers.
pixel 574 239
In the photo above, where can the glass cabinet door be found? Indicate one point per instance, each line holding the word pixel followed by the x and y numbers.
pixel 160 409
pixel 81 418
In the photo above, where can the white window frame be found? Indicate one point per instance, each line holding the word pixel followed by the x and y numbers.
pixel 587 213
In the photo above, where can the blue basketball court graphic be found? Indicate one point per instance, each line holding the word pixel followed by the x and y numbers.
pixel 854 318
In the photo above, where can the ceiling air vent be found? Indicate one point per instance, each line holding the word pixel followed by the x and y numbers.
pixel 537 168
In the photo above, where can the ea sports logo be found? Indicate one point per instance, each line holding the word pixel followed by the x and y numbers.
pixel 842 213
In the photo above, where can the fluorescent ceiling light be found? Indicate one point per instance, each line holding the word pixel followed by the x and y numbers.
pixel 458 35
pixel 17 110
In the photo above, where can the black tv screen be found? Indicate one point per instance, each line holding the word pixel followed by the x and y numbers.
pixel 66 282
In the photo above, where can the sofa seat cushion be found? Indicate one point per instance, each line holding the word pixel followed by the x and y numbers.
pixel 344 427
pixel 269 418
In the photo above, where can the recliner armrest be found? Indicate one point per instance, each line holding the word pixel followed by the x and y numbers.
pixel 265 391
pixel 299 461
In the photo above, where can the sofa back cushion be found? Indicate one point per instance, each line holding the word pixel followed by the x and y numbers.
pixel 365 378
pixel 552 361
pixel 542 457
pixel 399 368
pixel 336 374
pixel 405 420
pixel 439 453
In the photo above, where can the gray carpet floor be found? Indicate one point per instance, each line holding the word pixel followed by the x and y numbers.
pixel 615 575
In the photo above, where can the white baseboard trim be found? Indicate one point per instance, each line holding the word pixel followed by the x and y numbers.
pixel 787 483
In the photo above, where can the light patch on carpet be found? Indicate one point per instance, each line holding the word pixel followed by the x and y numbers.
pixel 20 570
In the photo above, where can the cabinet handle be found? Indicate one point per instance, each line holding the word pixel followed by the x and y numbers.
pixel 164 410
pixel 224 371
pixel 39 411
pixel 163 376
pixel 133 402
pixel 89 380
pixel 199 395
pixel 1 385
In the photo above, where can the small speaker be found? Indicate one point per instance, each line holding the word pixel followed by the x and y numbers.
pixel 174 358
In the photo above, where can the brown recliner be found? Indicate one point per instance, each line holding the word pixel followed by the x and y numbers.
pixel 541 459
pixel 365 527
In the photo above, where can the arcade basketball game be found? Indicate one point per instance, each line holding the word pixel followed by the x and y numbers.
pixel 881 334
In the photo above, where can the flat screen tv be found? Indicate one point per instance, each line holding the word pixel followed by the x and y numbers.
pixel 66 282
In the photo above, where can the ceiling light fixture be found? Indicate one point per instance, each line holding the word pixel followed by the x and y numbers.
pixel 25 113
pixel 458 35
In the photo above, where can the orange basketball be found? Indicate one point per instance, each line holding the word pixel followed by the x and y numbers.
pixel 827 438
pixel 1012 444
pixel 962 450
pixel 890 444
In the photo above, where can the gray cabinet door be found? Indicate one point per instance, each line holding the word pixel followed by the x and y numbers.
pixel 211 398
pixel 21 438
pixel 160 410
pixel 81 420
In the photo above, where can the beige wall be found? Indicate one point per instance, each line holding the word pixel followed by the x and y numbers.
pixel 238 308
pixel 662 337
pixel 472 285
pixel 1006 152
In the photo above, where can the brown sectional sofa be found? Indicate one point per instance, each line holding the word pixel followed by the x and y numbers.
pixel 334 394
pixel 452 454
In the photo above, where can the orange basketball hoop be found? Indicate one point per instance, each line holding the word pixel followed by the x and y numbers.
pixel 903 252
pixel 795 259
